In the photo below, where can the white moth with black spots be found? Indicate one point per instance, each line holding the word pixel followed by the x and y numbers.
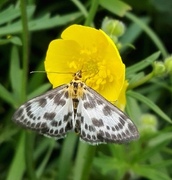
pixel 77 107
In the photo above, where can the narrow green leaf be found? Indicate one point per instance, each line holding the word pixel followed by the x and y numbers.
pixel 151 173
pixel 39 90
pixel 9 14
pixel 44 22
pixel 142 64
pixel 132 32
pixel 45 159
pixel 18 165
pixel 115 6
pixel 15 73
pixel 157 41
pixel 16 40
pixel 160 139
pixel 150 104
pixel 36 79
pixel 7 96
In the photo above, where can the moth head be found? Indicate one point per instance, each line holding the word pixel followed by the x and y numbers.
pixel 78 75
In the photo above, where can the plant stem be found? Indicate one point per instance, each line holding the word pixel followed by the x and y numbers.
pixel 92 12
pixel 65 160
pixel 141 81
pixel 25 38
pixel 29 155
pixel 29 137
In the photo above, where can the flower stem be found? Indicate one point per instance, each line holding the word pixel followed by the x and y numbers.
pixel 25 38
pixel 92 12
pixel 84 161
pixel 29 155
pixel 141 81
pixel 29 137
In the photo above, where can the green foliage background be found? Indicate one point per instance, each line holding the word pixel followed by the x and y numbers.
pixel 26 28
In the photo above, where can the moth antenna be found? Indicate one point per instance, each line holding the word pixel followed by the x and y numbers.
pixel 51 72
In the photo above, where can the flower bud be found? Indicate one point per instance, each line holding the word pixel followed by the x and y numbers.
pixel 168 64
pixel 113 27
pixel 149 124
pixel 159 68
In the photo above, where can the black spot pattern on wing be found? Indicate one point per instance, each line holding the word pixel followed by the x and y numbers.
pixel 103 122
pixel 44 113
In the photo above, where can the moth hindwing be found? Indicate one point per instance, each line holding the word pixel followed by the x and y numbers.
pixel 76 107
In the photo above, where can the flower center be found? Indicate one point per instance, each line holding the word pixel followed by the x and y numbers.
pixel 95 71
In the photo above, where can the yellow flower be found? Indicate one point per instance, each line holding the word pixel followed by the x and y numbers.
pixel 121 102
pixel 93 52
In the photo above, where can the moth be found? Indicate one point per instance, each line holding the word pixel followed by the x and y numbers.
pixel 76 107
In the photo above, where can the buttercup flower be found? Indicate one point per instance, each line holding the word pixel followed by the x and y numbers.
pixel 93 52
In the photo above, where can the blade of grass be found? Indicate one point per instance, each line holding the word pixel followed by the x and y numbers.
pixel 39 90
pixel 150 173
pixel 142 64
pixel 132 32
pixel 45 159
pixel 7 96
pixel 81 7
pixel 16 74
pixel 18 165
pixel 150 33
pixel 150 104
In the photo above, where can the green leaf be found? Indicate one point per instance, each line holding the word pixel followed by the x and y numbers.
pixel 39 90
pixel 9 14
pixel 18 165
pixel 150 104
pixel 160 139
pixel 157 41
pixel 45 158
pixel 132 32
pixel 37 79
pixel 15 73
pixel 142 64
pixel 115 6
pixel 150 173
pixel 11 39
pixel 7 96
pixel 16 40
pixel 134 113
pixel 43 22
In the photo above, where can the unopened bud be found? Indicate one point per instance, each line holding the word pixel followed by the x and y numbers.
pixel 159 68
pixel 168 64
pixel 149 124
pixel 113 27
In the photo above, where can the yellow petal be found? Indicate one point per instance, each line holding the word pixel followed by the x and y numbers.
pixel 60 53
pixel 121 102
